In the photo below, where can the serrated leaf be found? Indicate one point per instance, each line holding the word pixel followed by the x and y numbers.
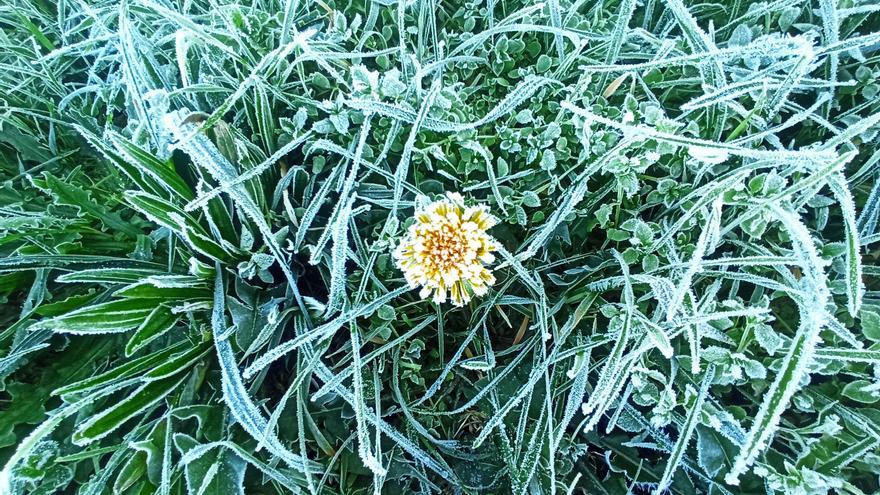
pixel 72 195
pixel 767 338
pixel 710 452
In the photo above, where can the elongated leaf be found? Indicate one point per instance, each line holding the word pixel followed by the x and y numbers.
pixel 686 432
pixel 853 355
pixel 107 275
pixel 798 357
pixel 156 324
pixel 150 165
pixel 175 219
pixel 107 421
pixel 235 394
pixel 110 317
pixel 132 368
pixel 178 363
pixel 854 285
pixel 149 290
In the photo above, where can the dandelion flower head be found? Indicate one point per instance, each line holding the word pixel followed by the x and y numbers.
pixel 446 250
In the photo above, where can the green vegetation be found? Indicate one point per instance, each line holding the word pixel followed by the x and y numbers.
pixel 200 201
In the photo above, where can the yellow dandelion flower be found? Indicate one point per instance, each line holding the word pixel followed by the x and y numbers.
pixel 447 249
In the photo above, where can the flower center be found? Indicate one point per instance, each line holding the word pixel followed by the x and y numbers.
pixel 445 247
